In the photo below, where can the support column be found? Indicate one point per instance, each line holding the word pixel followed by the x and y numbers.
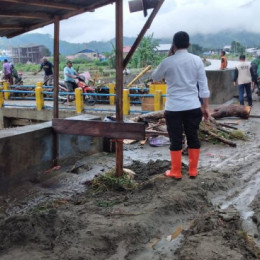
pixel 119 82
pixel 56 87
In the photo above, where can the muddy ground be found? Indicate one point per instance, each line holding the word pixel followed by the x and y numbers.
pixel 215 216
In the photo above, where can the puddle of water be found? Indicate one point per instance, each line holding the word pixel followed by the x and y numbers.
pixel 242 203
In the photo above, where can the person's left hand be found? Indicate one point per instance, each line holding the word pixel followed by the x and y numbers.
pixel 205 113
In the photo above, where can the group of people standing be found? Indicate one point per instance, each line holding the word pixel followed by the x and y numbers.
pixel 10 73
pixel 245 76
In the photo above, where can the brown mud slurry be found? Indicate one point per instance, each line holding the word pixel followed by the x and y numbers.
pixel 161 219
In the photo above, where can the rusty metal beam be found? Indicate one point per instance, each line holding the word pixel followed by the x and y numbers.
pixel 115 130
pixel 142 33
pixel 119 83
pixel 41 3
pixel 56 87
pixel 25 15
pixel 11 27
pixel 79 10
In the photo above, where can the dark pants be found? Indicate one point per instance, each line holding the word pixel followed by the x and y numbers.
pixel 187 121
pixel 241 89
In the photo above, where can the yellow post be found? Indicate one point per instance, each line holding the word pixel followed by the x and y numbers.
pixel 158 100
pixel 79 100
pixel 1 97
pixel 152 89
pixel 126 102
pixel 6 87
pixel 39 96
pixel 111 91
pixel 162 87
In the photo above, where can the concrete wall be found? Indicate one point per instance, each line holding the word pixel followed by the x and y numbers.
pixel 28 150
pixel 221 85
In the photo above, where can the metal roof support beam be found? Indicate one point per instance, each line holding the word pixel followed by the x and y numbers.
pixel 56 86
pixel 26 15
pixel 142 33
pixel 119 82
pixel 49 4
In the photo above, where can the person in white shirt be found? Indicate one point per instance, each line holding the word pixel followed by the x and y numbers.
pixel 183 71
pixel 243 77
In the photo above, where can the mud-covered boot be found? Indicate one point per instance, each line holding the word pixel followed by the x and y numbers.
pixel 175 171
pixel 193 161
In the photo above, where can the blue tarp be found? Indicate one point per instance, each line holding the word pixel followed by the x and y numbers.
pixel 2 58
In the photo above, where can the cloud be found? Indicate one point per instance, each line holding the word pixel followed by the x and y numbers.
pixel 193 16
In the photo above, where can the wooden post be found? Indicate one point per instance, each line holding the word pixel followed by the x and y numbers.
pixel 56 87
pixel 56 67
pixel 119 82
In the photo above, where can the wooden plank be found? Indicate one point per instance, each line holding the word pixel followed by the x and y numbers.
pixel 115 130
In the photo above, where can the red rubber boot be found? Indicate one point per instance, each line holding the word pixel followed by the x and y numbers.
pixel 175 171
pixel 193 161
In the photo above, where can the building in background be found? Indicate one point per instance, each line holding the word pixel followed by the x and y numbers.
pixel 5 54
pixel 28 54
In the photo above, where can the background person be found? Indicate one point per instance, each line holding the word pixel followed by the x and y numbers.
pixel 183 110
pixel 69 78
pixel 48 71
pixel 255 67
pixel 223 60
pixel 7 70
pixel 243 77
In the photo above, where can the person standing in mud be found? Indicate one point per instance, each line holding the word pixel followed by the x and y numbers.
pixel 48 71
pixel 183 110
pixel 69 76
pixel 223 60
pixel 7 70
pixel 244 78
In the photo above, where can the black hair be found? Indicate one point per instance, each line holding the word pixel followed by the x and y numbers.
pixel 224 53
pixel 5 60
pixel 242 57
pixel 181 40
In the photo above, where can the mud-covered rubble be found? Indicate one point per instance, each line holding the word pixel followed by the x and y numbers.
pixel 132 224
pixel 214 216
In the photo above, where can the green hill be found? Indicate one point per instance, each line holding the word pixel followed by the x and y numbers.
pixel 213 41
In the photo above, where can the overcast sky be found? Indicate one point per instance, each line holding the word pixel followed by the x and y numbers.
pixel 193 16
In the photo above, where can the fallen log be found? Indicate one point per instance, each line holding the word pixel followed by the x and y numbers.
pixel 152 116
pixel 232 111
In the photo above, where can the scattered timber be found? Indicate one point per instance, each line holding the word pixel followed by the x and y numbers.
pixel 210 130
pixel 232 111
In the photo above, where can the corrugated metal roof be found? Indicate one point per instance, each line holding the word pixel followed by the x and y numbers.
pixel 20 16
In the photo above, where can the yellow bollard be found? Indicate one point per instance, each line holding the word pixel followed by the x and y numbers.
pixel 151 89
pixel 1 97
pixel 158 100
pixel 39 96
pixel 6 87
pixel 126 102
pixel 79 100
pixel 162 87
pixel 111 91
